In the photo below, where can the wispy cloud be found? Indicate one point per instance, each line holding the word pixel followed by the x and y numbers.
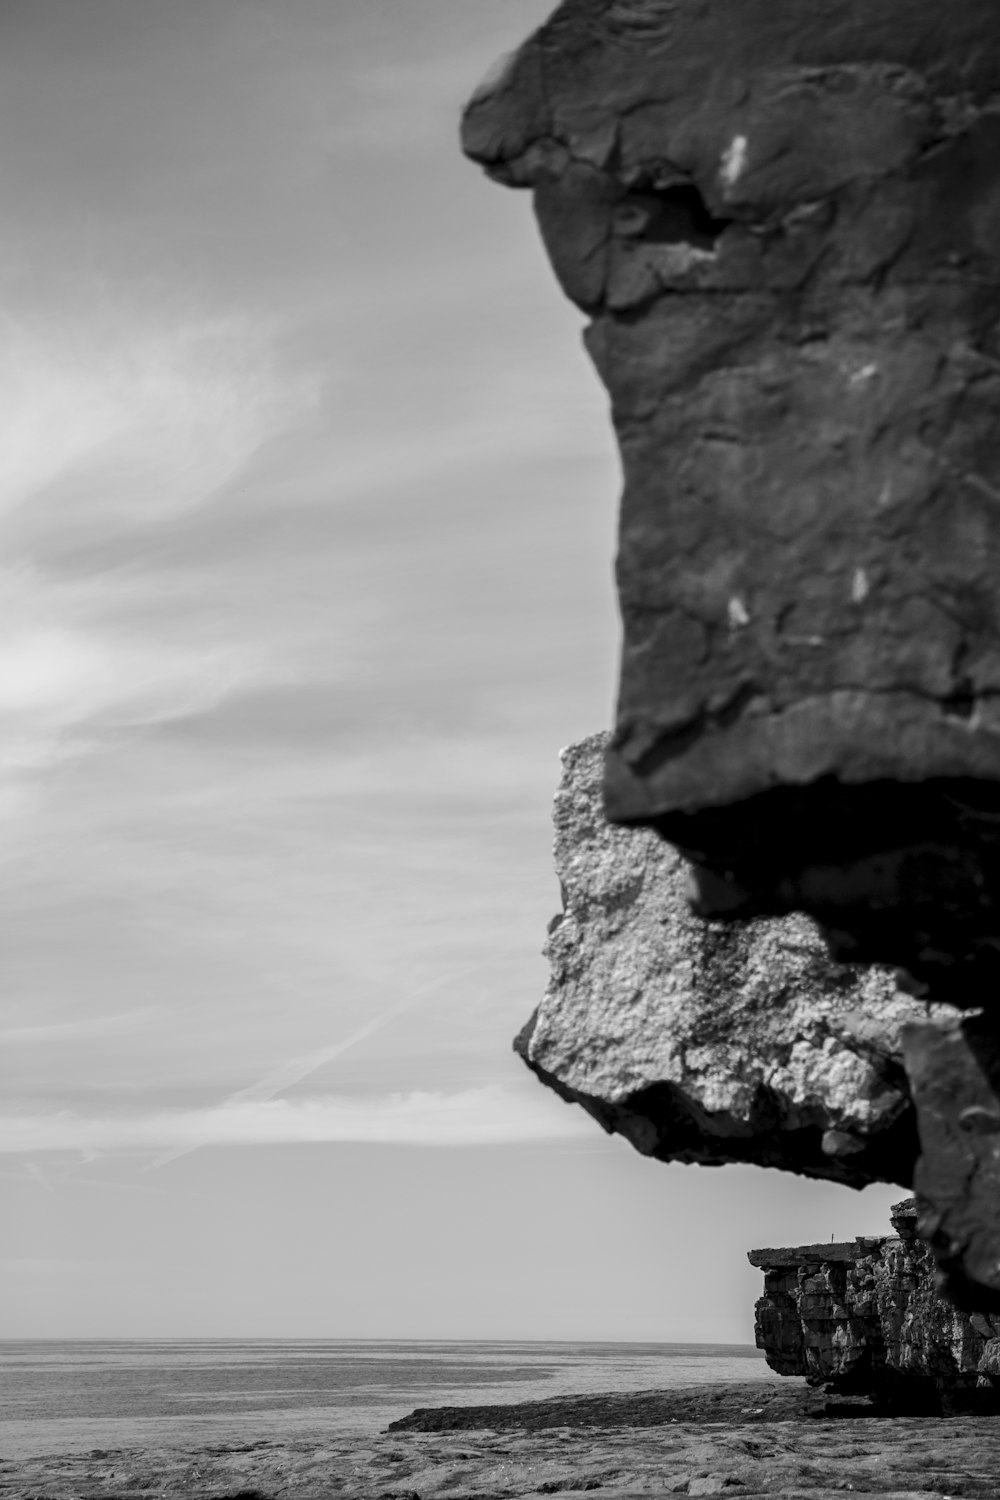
pixel 138 416
pixel 88 1026
pixel 294 1070
pixel 279 678
pixel 481 1116
pixel 113 421
pixel 72 678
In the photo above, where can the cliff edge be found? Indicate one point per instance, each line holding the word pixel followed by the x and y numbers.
pixel 865 1318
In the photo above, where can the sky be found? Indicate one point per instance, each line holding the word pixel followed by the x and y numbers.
pixel 307 502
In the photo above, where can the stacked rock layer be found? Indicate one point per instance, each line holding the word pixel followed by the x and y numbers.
pixel 865 1317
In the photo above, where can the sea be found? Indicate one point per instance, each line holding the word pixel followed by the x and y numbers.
pixel 79 1395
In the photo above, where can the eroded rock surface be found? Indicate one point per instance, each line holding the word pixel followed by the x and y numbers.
pixel 711 1043
pixel 783 223
pixel 739 1455
pixel 866 1317
pixel 747 1042
pixel 954 1076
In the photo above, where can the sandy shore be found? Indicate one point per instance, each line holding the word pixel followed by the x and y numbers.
pixel 743 1440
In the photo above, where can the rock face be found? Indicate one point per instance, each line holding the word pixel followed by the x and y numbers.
pixel 711 1044
pixel 784 225
pixel 782 220
pixel 954 1076
pixel 865 1317
pixel 747 1042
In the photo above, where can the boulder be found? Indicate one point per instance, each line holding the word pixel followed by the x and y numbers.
pixel 699 1043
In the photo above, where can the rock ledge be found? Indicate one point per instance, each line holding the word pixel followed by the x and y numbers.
pixel 865 1318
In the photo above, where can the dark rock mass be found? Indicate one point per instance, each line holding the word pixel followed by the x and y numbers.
pixel 865 1318
pixel 782 222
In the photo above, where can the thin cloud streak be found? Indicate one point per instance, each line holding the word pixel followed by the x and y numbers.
pixel 474 1117
pixel 103 1026
pixel 295 1069
pixel 118 422
pixel 124 416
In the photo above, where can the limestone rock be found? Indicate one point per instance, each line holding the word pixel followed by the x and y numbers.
pixel 954 1074
pixel 783 223
pixel 710 1044
pixel 719 1441
pixel 867 1317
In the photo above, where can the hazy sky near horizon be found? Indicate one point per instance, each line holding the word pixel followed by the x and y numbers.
pixel 308 500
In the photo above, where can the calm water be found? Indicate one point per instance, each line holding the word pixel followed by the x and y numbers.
pixel 64 1397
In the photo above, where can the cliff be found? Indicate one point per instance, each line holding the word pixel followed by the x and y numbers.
pixel 865 1318
pixel 782 223
pixel 710 1044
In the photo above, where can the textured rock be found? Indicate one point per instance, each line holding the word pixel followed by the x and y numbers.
pixel 746 1042
pixel 954 1074
pixel 867 1317
pixel 783 220
pixel 711 1044
pixel 722 1452
pixel 752 1401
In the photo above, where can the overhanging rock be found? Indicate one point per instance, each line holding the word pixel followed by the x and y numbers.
pixel 783 222
pixel 711 1044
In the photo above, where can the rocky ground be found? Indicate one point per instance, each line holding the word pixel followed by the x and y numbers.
pixel 735 1440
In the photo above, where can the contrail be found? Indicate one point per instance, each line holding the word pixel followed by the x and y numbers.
pixel 296 1068
pixel 34 1171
